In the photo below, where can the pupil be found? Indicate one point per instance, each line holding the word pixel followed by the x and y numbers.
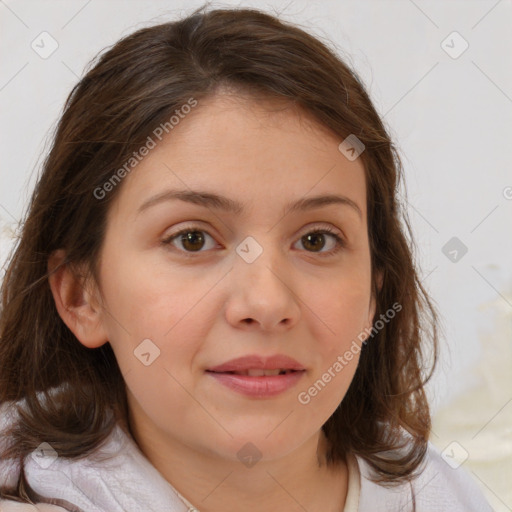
pixel 315 237
pixel 194 241
pixel 191 239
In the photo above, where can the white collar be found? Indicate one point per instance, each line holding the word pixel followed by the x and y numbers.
pixel 124 482
pixel 117 477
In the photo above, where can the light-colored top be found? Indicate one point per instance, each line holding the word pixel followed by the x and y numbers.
pixel 351 501
pixel 354 485
pixel 127 482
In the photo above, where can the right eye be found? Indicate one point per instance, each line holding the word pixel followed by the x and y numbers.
pixel 192 239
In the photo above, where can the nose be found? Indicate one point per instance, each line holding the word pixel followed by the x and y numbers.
pixel 262 293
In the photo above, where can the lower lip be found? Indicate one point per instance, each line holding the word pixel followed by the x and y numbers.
pixel 258 387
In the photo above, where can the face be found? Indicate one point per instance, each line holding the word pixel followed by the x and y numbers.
pixel 264 281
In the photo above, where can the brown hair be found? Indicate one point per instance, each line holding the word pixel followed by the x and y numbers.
pixel 68 389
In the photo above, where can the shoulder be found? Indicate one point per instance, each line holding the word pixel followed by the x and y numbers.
pixel 438 487
pixel 15 506
pixel 9 469
pixel 453 482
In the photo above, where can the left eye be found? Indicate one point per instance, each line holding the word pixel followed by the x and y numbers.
pixel 316 238
pixel 193 240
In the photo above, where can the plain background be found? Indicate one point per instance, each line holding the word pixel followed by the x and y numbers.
pixel 449 110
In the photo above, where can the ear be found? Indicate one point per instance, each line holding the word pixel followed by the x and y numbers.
pixel 79 308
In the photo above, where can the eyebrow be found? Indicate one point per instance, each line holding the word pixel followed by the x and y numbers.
pixel 219 202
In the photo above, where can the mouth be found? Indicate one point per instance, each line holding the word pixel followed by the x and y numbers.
pixel 257 372
pixel 258 377
pixel 258 365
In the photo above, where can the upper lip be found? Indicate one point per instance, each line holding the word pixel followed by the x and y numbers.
pixel 256 362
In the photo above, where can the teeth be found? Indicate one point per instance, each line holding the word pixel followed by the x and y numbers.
pixel 260 373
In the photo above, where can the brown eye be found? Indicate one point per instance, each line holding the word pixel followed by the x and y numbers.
pixel 191 240
pixel 315 240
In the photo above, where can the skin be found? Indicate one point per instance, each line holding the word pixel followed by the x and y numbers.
pixel 207 309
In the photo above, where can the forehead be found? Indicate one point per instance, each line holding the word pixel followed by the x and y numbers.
pixel 260 152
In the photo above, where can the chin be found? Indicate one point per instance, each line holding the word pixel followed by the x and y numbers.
pixel 252 443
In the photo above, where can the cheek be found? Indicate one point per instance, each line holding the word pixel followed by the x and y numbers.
pixel 151 301
pixel 174 310
pixel 157 324
pixel 341 307
pixel 337 346
pixel 326 390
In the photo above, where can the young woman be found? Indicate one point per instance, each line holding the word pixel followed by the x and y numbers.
pixel 213 304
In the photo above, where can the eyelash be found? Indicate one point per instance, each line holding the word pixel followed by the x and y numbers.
pixel 340 242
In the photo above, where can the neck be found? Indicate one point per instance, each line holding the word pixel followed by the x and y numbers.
pixel 297 482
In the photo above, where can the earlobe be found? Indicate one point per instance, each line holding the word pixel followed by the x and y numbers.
pixel 77 307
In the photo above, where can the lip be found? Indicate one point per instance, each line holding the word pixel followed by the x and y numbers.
pixel 258 386
pixel 256 362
